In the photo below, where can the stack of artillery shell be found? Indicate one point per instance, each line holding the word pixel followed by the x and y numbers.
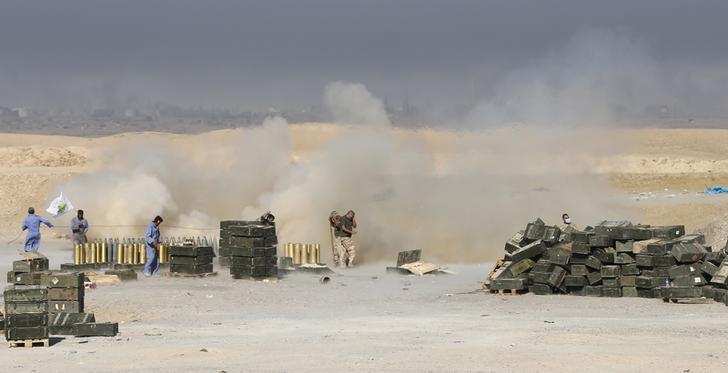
pixel 27 271
pixel 251 247
pixel 191 259
pixel 302 253
pixel 612 259
pixel 26 312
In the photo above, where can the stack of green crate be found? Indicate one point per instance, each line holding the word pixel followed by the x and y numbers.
pixel 26 312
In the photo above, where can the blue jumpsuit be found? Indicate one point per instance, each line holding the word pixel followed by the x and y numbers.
pixel 151 238
pixel 32 239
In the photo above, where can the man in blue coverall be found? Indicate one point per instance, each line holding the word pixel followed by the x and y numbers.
pixel 151 239
pixel 32 223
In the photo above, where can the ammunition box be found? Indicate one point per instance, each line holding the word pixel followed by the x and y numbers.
pixel 629 291
pixel 593 291
pixel 25 307
pixel 62 280
pixel 264 251
pixel 644 260
pixel 539 277
pixel 645 282
pixel 72 267
pixel 660 272
pixel 624 246
pixel 692 238
pixel 67 294
pixel 511 283
pixel 689 280
pixel 535 231
pixel 27 278
pixel 581 237
pixel 557 256
pixel 612 229
pixel 715 257
pixel 11 277
pixel 649 293
pixel 707 267
pixel 191 268
pixel 707 291
pixel 191 251
pixel 31 265
pixel 721 276
pixel 190 260
pixel 682 292
pixel 235 241
pixel 663 261
pixel 576 290
pixel 579 270
pixel 552 234
pixel 227 224
pixel 606 257
pixel 624 258
pixel 38 332
pixel 640 247
pixel 252 231
pixel 636 233
pixel 609 271
pixel 628 281
pixel 529 251
pixel 520 266
pixel 540 289
pixel 611 292
pixel 594 278
pixel 681 270
pixel 719 295
pixel 62 330
pixel 668 232
pixel 70 318
pixel 65 306
pixel 544 266
pixel 575 281
pixel 123 274
pixel 223 251
pixel 26 320
pixel 688 252
pixel 96 329
pixel 580 248
pixel 659 248
pixel 578 259
pixel 611 282
pixel 600 241
pixel 25 293
pixel 267 261
pixel 512 245
pixel 630 269
pixel 594 263
pixel 243 272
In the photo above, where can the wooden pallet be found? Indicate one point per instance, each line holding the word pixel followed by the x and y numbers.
pixel 507 291
pixel 29 343
pixel 189 275
pixel 687 300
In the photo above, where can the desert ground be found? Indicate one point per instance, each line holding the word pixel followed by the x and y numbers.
pixel 366 320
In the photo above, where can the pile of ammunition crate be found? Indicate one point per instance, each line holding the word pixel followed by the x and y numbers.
pixel 611 259
pixel 190 259
pixel 26 310
pixel 250 247
pixel 27 271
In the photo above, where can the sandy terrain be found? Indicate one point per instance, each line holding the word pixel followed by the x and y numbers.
pixel 368 321
pixel 365 320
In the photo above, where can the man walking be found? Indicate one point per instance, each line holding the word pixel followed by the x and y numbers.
pixel 334 223
pixel 79 227
pixel 347 228
pixel 151 239
pixel 32 223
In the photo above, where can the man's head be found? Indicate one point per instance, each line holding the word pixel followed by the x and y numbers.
pixel 31 210
pixel 79 214
pixel 158 220
pixel 565 217
pixel 350 214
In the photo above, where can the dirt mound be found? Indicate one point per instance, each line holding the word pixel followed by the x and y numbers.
pixel 716 233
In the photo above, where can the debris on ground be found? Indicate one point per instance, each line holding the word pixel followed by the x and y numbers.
pixel 409 263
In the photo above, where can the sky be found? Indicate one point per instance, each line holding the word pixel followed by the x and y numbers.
pixel 271 53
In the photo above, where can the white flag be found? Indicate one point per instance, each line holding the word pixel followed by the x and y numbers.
pixel 60 206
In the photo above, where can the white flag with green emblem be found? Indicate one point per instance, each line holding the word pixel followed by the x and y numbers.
pixel 60 206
